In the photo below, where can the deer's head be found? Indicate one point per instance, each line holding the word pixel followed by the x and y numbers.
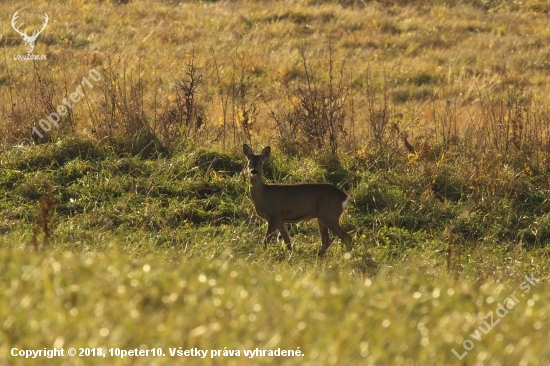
pixel 255 162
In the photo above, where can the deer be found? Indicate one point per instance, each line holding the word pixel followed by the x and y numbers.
pixel 29 39
pixel 281 203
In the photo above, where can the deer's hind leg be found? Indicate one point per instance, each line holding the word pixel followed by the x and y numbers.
pixel 335 227
pixel 325 238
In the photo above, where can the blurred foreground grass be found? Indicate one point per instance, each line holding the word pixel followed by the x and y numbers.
pixel 115 300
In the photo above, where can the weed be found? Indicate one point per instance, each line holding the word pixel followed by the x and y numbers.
pixel 43 222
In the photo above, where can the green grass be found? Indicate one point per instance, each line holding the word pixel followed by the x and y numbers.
pixel 166 253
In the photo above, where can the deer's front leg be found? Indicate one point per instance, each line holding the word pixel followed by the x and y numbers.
pixel 271 228
pixel 286 236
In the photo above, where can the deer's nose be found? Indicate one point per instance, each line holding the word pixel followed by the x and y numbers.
pixel 253 172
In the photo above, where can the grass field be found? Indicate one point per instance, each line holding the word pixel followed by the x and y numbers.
pixel 127 225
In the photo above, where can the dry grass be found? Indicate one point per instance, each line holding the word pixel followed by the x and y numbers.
pixel 425 56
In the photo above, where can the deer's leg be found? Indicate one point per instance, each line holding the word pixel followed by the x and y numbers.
pixel 271 228
pixel 335 227
pixel 325 238
pixel 286 236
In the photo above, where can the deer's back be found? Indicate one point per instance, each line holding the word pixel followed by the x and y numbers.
pixel 296 202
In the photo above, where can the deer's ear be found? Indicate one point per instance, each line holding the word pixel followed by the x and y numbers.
pixel 265 152
pixel 247 151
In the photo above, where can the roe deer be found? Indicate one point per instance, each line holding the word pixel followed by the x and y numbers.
pixel 282 203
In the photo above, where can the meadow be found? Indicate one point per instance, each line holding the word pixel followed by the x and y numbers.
pixel 126 219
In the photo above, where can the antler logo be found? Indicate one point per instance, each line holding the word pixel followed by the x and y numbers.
pixel 29 40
